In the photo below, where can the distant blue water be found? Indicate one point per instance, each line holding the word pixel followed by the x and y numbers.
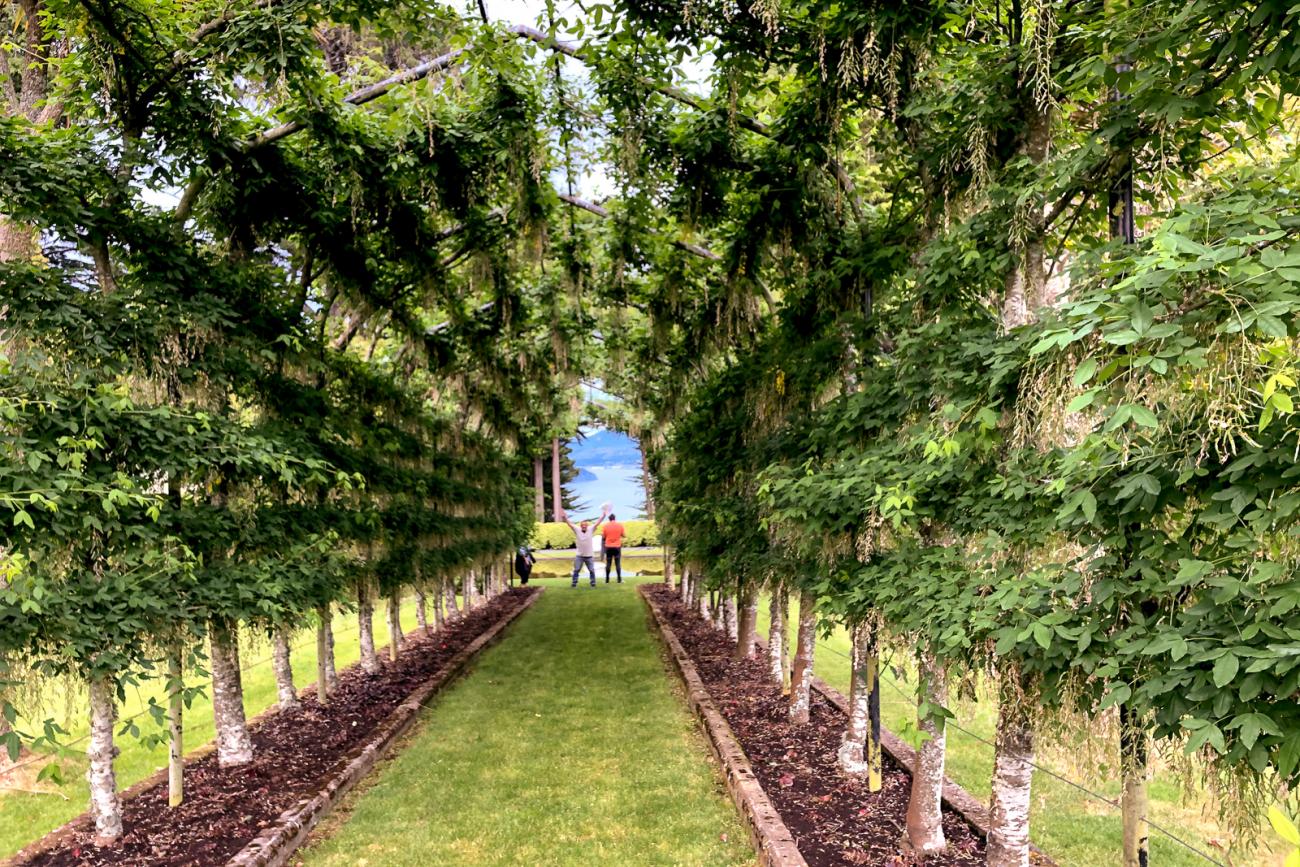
pixel 619 485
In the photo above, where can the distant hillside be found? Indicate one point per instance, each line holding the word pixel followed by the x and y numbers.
pixel 605 448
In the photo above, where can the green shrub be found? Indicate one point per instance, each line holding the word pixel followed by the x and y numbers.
pixel 556 534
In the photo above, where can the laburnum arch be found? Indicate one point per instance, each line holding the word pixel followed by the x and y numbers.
pixel 972 325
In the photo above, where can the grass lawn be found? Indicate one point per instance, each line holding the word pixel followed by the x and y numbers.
pixel 1075 829
pixel 566 745
pixel 25 817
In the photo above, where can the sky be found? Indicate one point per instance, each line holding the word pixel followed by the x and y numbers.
pixel 593 182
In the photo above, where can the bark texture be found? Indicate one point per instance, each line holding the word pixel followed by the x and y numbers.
pixel 746 622
pixel 395 637
pixel 282 663
pixel 105 805
pixel 366 630
pixel 729 617
pixel 1135 802
pixel 853 746
pixel 925 804
pixel 322 662
pixel 539 504
pixel 17 241
pixel 234 743
pixel 1008 839
pixel 801 670
pixel 421 611
pixel 331 671
pixel 439 619
pixel 557 490
pixel 777 604
pixel 175 728
pixel 452 611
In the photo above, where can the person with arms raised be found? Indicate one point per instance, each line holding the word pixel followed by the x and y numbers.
pixel 584 534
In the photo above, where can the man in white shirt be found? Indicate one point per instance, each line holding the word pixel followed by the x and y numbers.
pixel 584 533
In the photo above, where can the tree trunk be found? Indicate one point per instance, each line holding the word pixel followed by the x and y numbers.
pixel 924 805
pixel 467 591
pixel 322 658
pixel 395 624
pixel 1134 802
pixel 17 241
pixel 801 671
pixel 175 728
pixel 557 488
pixel 684 590
pixel 729 617
pixel 421 611
pixel 776 637
pixel 438 599
pixel 366 629
pixel 746 622
pixel 331 671
pixel 860 748
pixel 282 663
pixel 234 744
pixel 105 805
pixel 453 613
pixel 668 566
pixel 1008 839
pixel 539 486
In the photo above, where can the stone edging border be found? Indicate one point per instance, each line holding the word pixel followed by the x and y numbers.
pixel 772 840
pixel 374 750
pixel 277 844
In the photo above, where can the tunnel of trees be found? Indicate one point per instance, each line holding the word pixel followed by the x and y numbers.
pixel 970 325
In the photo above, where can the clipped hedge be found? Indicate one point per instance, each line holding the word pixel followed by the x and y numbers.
pixel 556 534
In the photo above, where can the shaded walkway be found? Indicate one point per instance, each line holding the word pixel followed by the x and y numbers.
pixel 566 745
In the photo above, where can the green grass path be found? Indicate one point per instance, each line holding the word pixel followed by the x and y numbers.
pixel 565 745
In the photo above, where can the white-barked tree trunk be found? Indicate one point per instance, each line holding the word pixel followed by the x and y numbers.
pixel 801 670
pixel 282 663
pixel 925 803
pixel 395 636
pixel 234 743
pixel 105 805
pixel 366 629
pixel 776 638
pixel 1013 772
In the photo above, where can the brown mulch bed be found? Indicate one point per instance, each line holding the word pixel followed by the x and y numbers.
pixel 833 818
pixel 296 753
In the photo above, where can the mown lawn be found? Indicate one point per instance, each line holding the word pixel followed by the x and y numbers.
pixel 25 817
pixel 566 745
pixel 1075 829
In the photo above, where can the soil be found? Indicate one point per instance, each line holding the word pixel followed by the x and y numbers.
pixel 834 819
pixel 296 753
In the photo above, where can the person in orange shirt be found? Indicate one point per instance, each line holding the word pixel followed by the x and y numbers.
pixel 612 533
